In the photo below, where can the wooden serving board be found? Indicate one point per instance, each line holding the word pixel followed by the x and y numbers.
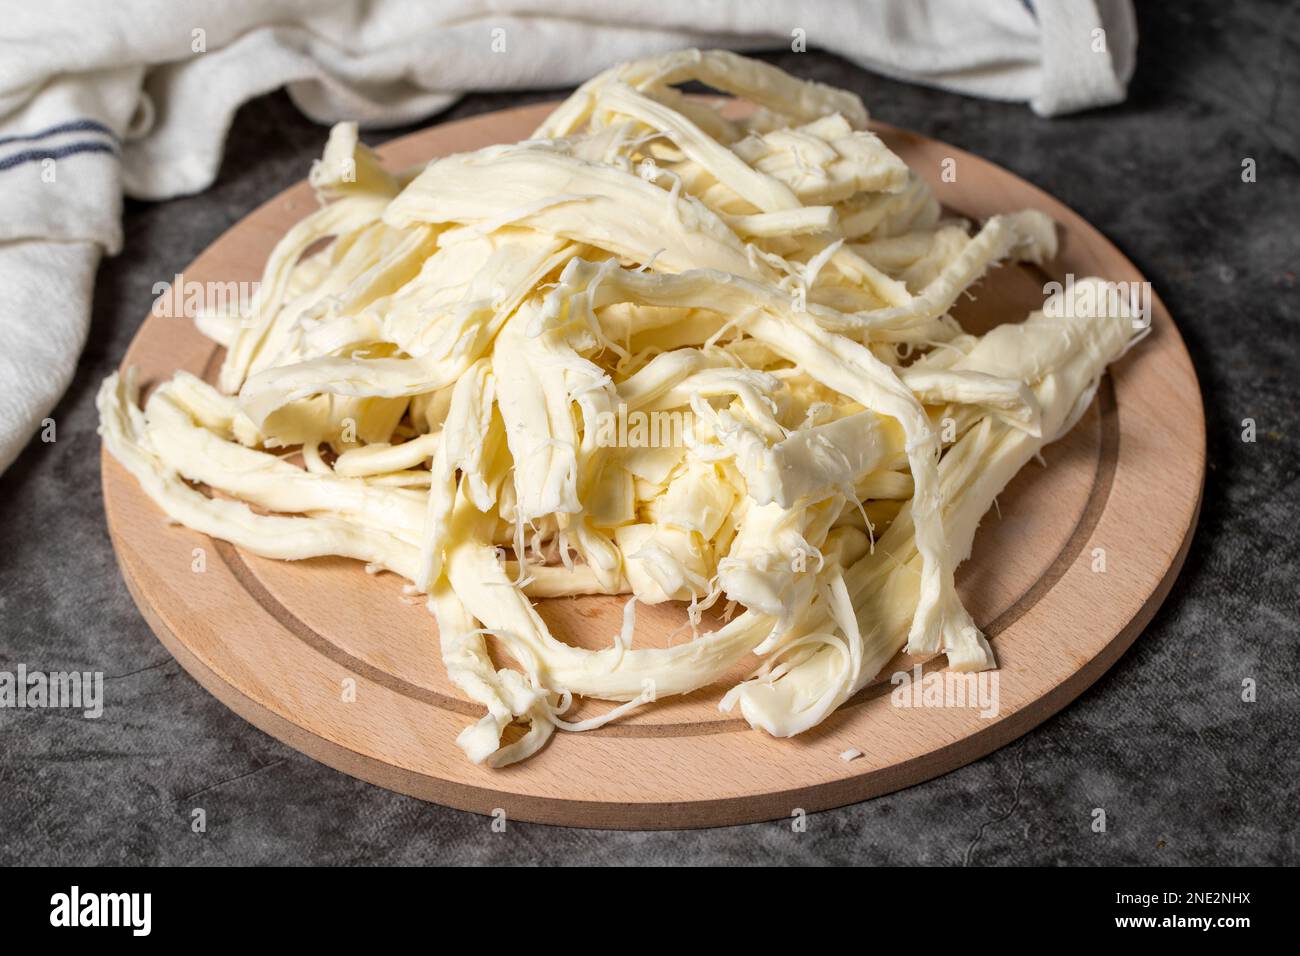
pixel 280 643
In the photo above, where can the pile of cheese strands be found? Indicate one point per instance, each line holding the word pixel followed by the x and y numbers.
pixel 446 348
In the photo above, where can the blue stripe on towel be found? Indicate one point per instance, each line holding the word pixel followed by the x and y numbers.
pixel 71 126
pixel 32 155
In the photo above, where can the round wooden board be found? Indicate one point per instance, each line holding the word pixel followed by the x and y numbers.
pixel 278 642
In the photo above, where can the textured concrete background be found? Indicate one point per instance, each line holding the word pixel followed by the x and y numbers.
pixel 1187 772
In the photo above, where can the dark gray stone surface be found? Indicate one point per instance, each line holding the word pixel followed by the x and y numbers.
pixel 1187 772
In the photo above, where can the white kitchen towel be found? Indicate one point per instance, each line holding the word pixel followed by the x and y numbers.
pixel 136 96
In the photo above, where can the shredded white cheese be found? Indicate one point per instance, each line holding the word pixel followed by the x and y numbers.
pixel 531 371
